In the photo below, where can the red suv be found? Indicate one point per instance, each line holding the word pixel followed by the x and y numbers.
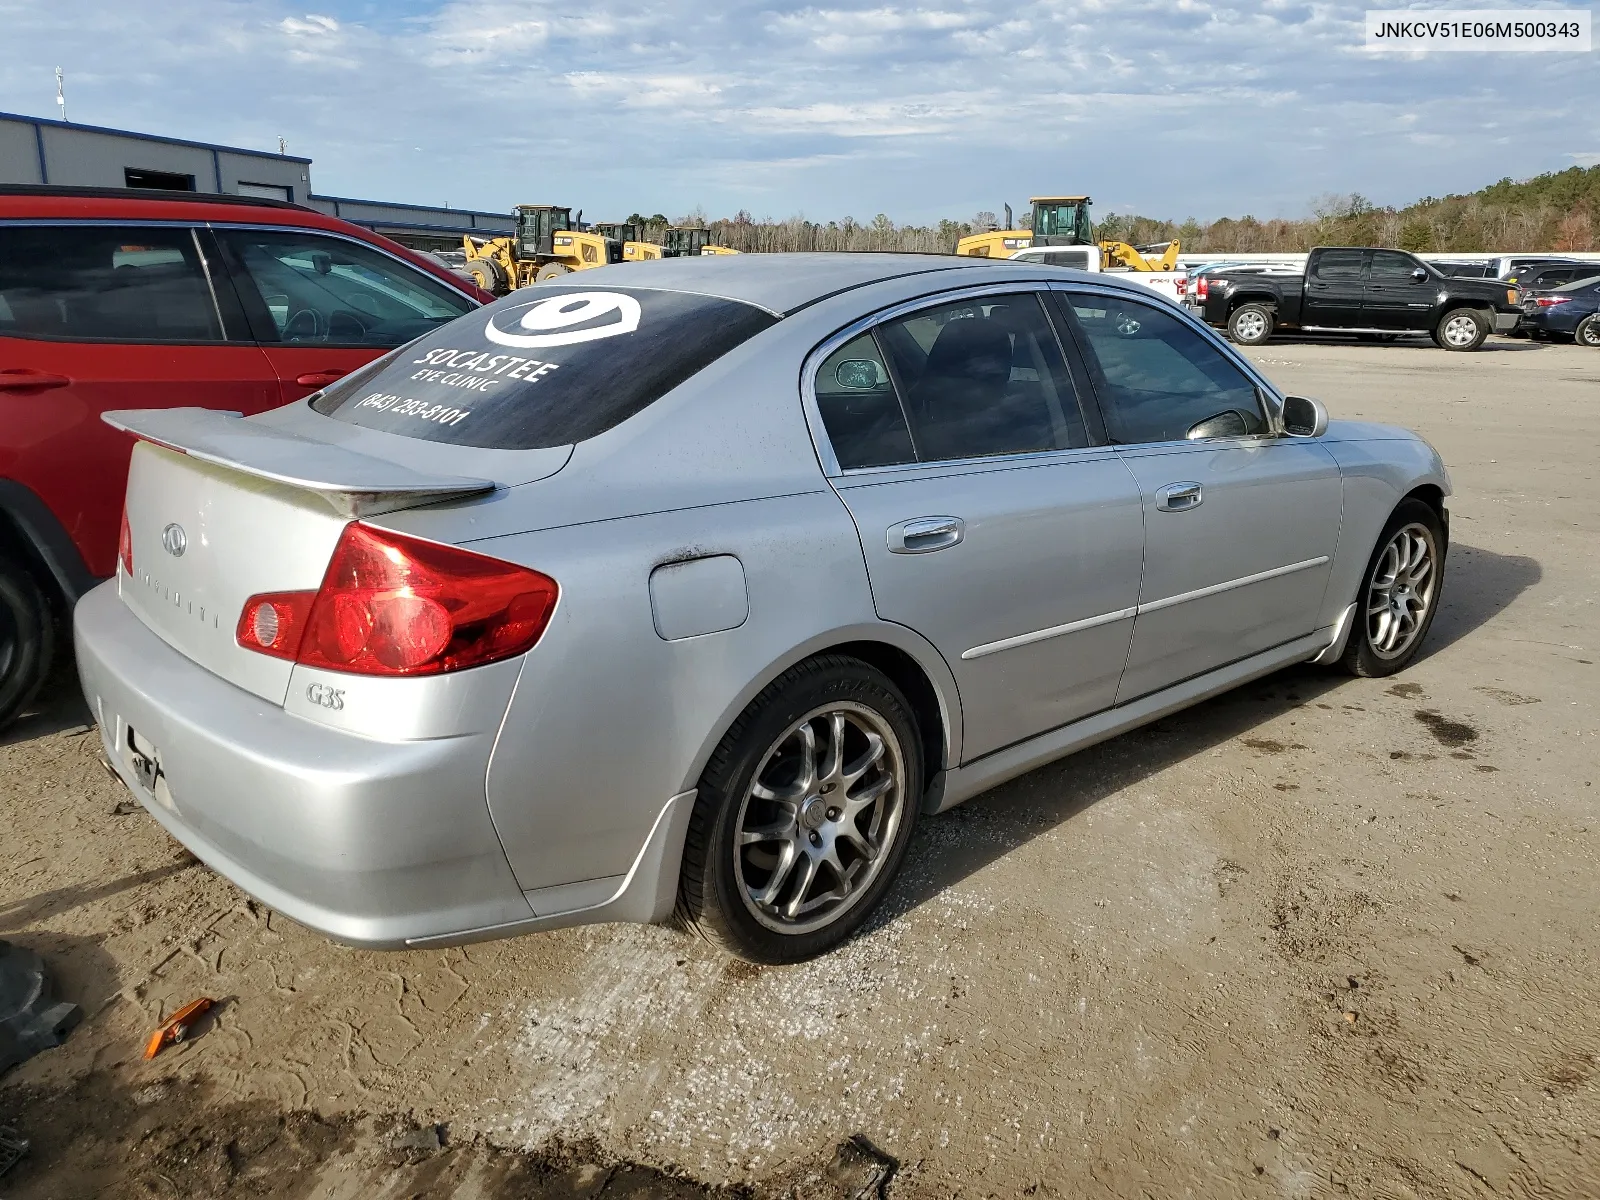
pixel 124 299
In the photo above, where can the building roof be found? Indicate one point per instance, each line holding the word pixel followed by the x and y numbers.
pixel 73 126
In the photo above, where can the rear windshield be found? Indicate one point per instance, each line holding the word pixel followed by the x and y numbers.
pixel 545 366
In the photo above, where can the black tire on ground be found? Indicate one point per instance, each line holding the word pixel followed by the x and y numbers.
pixel 1588 332
pixel 1453 332
pixel 552 270
pixel 27 639
pixel 488 274
pixel 1362 655
pixel 712 898
pixel 1250 324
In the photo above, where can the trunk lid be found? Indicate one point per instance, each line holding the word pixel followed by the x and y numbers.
pixel 221 509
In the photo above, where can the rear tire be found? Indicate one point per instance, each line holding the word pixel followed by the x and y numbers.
pixel 552 270
pixel 778 878
pixel 1400 592
pixel 1588 332
pixel 27 639
pixel 1250 324
pixel 1461 329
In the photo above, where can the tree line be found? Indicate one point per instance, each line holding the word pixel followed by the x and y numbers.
pixel 1556 211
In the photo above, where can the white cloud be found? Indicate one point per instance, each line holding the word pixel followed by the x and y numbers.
pixel 916 109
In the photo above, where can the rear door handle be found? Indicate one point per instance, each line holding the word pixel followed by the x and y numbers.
pixel 24 379
pixel 316 379
pixel 1179 497
pixel 924 535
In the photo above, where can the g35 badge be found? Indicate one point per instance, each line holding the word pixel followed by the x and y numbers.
pixel 327 697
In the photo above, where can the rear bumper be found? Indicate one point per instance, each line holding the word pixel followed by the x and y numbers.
pixel 372 843
pixel 1550 320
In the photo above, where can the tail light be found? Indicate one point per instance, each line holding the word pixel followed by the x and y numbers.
pixel 1550 301
pixel 125 545
pixel 396 605
pixel 1202 287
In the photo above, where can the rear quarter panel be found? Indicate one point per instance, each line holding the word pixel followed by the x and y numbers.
pixel 609 719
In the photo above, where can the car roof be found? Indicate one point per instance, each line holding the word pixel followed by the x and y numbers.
pixel 780 283
pixel 32 201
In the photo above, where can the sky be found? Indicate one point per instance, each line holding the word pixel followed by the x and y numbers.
pixel 1169 109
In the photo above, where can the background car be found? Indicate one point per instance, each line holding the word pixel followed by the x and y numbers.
pixel 111 299
pixel 695 584
pixel 1569 311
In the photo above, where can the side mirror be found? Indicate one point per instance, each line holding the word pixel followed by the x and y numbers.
pixel 1224 425
pixel 857 374
pixel 1419 275
pixel 1304 417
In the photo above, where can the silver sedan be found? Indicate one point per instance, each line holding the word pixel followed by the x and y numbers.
pixel 691 586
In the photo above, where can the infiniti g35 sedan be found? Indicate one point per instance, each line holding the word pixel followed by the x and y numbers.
pixel 691 588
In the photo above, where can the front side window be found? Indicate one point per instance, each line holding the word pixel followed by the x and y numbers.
pixel 1159 378
pixel 1389 267
pixel 983 377
pixel 310 289
pixel 1339 264
pixel 104 283
pixel 549 365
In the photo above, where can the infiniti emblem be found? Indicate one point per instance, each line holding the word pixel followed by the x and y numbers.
pixel 174 540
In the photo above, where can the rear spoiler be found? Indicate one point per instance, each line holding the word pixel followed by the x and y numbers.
pixel 354 484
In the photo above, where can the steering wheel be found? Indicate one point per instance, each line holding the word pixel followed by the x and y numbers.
pixel 306 325
pixel 345 326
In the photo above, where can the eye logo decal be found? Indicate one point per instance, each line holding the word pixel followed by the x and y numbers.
pixel 564 320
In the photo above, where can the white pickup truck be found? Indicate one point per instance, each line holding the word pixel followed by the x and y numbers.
pixel 1168 284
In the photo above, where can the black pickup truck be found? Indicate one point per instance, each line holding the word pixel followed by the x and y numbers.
pixel 1357 289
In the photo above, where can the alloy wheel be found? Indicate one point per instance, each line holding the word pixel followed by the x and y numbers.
pixel 1460 330
pixel 1401 589
pixel 1250 326
pixel 816 822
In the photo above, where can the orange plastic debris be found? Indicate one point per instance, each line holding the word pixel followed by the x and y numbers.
pixel 177 1026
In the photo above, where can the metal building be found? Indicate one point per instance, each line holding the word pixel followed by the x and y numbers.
pixel 41 150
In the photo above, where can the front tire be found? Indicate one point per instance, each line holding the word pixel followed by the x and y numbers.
pixel 490 275
pixel 27 639
pixel 1461 329
pixel 1399 595
pixel 1588 332
pixel 804 813
pixel 1250 324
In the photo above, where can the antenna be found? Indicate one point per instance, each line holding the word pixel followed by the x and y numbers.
pixel 61 94
pixel 283 146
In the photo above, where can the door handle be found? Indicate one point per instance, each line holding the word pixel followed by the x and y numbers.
pixel 316 379
pixel 25 379
pixel 924 535
pixel 1179 497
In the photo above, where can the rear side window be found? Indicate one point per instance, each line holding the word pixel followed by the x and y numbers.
pixel 104 283
pixel 545 366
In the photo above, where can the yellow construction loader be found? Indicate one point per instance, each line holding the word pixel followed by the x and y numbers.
pixel 1063 221
pixel 546 245
pixel 629 235
pixel 688 240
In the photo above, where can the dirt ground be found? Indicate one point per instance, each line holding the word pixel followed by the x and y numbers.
pixel 1317 937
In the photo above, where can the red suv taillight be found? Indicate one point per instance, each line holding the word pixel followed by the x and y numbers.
pixel 396 605
pixel 125 545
